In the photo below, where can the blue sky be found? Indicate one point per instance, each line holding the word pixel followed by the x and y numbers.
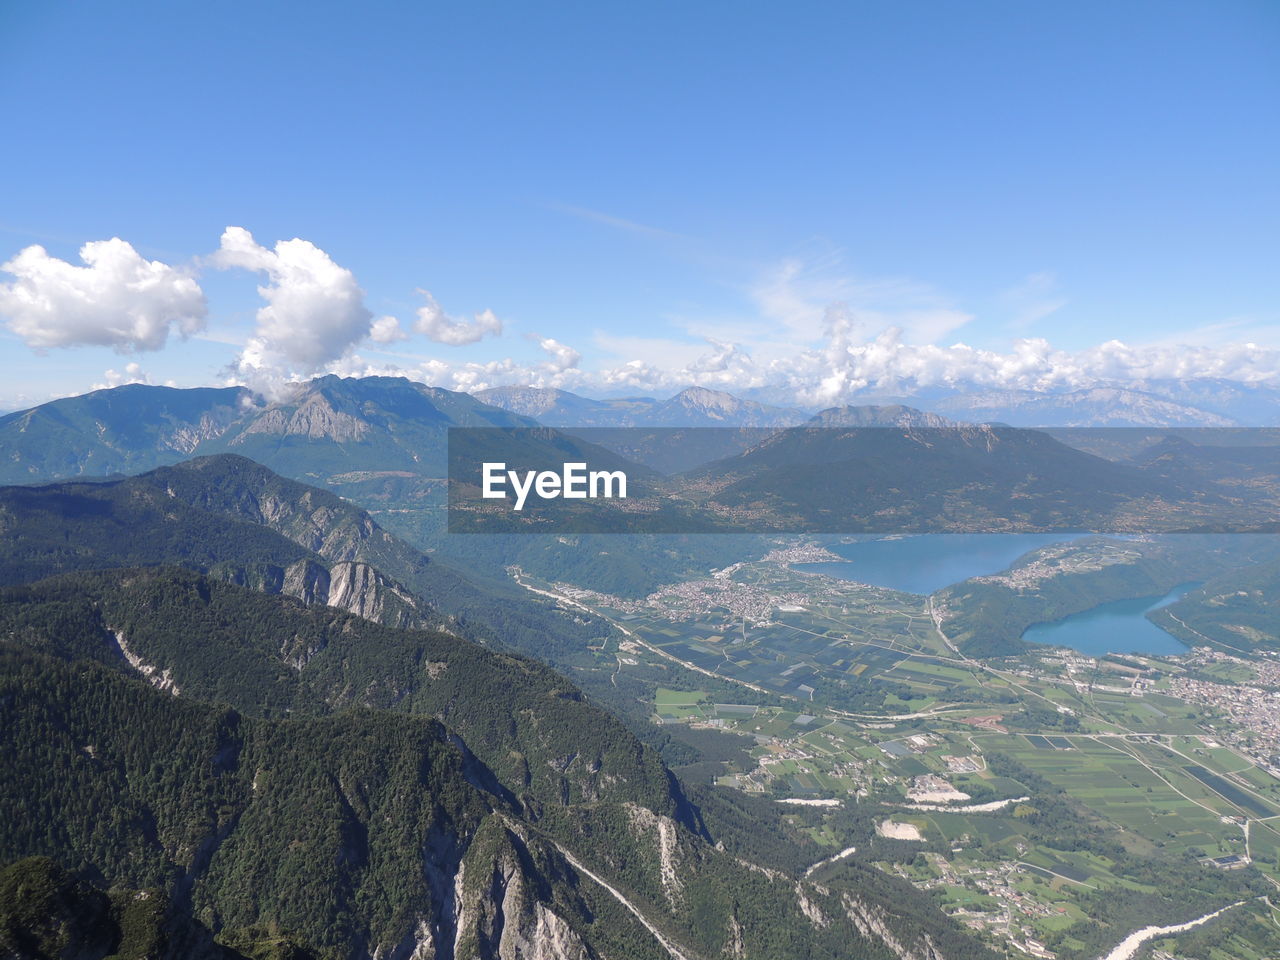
pixel 643 195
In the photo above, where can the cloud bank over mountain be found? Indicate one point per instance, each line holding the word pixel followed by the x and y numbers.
pixel 847 366
pixel 818 337
pixel 314 309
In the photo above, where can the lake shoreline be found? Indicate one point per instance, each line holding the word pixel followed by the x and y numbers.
pixel 1115 627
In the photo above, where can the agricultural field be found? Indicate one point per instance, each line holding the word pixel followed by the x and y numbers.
pixel 973 779
pixel 801 637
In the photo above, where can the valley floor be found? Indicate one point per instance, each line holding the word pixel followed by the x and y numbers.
pixel 830 690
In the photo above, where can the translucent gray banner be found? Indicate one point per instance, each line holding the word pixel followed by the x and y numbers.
pixel 863 479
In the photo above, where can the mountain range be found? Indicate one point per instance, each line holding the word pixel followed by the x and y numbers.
pixel 280 772
pixel 1204 402
pixel 327 427
pixel 1092 407
pixel 383 443
pixel 257 706
pixel 344 430
pixel 691 407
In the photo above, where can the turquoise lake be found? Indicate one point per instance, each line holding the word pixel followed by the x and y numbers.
pixel 1119 627
pixel 925 564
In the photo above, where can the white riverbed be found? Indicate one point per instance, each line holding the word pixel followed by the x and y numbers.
pixel 1134 941
pixel 967 808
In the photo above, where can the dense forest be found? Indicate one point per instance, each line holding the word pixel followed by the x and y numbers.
pixel 272 766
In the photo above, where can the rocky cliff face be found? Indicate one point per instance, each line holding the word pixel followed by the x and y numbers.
pixel 314 519
pixel 184 436
pixel 528 401
pixel 315 417
pixel 355 588
pixel 504 905
pixel 873 923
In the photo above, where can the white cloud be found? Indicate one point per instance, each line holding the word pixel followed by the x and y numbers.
pixel 560 369
pixel 438 326
pixel 798 295
pixel 852 364
pixel 354 365
pixel 563 357
pixel 133 373
pixel 635 375
pixel 888 364
pixel 315 312
pixel 850 338
pixel 819 335
pixel 387 330
pixel 117 299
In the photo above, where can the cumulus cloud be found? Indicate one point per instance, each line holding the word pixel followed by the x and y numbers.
pixel 117 299
pixel 853 363
pixel 562 357
pixel 387 330
pixel 560 369
pixel 114 378
pixel 828 337
pixel 852 338
pixel 887 364
pixel 314 311
pixel 436 325
pixel 354 365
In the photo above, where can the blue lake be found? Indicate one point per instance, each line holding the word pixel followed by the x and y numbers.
pixel 1119 627
pixel 924 564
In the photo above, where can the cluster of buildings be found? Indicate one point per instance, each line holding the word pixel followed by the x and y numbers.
pixel 743 601
pixel 1011 918
pixel 1059 559
pixel 1254 713
pixel 801 553
pixel 696 598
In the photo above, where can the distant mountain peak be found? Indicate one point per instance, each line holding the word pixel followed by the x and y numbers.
pixel 314 417
pixel 528 401
pixel 692 407
pixel 696 394
pixel 879 415
pixel 1110 405
pixel 715 403
pixel 323 426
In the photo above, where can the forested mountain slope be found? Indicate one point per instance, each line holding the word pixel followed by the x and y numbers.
pixel 326 426
pixel 127 429
pixel 239 521
pixel 370 791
